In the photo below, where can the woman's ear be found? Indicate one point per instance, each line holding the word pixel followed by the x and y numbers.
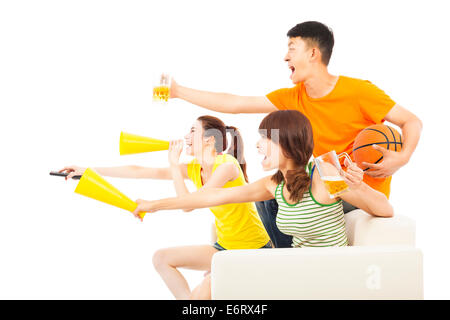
pixel 210 141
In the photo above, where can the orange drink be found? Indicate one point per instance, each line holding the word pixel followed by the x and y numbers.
pixel 335 185
pixel 161 90
pixel 329 170
pixel 161 93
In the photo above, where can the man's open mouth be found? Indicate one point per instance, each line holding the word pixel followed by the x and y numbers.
pixel 292 70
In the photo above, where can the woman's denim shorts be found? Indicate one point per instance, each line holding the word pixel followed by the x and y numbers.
pixel 220 248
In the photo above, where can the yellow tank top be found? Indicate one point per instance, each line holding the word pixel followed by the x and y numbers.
pixel 238 224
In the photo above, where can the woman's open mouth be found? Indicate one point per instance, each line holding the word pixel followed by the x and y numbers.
pixel 264 159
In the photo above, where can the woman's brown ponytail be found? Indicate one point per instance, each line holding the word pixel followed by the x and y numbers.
pixel 236 148
pixel 216 128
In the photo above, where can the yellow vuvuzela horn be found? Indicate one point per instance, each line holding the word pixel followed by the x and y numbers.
pixel 93 186
pixel 131 143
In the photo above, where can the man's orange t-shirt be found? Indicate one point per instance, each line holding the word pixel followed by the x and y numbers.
pixel 338 117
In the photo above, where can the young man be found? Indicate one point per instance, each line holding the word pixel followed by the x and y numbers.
pixel 338 108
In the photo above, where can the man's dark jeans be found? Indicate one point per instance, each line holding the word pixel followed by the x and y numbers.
pixel 268 210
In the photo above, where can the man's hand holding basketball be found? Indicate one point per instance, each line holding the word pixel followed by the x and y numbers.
pixel 392 161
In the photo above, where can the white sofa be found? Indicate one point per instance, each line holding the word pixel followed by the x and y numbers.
pixel 380 263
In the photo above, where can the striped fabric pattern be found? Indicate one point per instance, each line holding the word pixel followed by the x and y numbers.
pixel 310 223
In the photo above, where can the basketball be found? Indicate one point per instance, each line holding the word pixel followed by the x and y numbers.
pixel 379 134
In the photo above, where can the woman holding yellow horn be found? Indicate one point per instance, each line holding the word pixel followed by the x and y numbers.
pixel 238 225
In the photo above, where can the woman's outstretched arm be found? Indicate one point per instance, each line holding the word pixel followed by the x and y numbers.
pixel 224 172
pixel 260 190
pixel 131 171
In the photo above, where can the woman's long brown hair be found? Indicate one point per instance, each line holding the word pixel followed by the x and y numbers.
pixel 215 127
pixel 295 137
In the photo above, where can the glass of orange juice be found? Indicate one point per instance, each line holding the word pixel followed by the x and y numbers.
pixel 329 170
pixel 161 89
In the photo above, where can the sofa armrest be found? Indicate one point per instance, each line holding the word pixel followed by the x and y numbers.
pixel 364 229
pixel 375 272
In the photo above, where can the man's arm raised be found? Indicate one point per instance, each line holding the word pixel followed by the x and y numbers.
pixel 222 102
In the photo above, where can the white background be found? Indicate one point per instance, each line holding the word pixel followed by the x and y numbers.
pixel 73 74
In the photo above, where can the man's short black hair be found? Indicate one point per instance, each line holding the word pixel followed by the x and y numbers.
pixel 318 34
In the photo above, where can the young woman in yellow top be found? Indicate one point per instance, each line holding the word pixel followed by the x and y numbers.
pixel 238 225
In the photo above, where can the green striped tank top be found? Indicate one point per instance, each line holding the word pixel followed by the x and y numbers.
pixel 311 224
